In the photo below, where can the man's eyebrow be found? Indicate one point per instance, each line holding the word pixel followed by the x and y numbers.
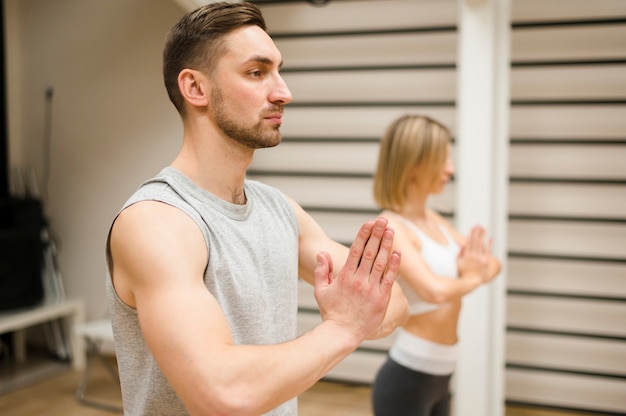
pixel 264 60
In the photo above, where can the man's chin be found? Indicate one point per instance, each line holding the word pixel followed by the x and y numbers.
pixel 272 142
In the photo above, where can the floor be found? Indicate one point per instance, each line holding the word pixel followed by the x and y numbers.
pixel 54 395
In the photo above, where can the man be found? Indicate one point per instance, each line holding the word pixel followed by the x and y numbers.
pixel 204 263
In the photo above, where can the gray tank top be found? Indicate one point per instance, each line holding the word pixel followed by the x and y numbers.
pixel 252 271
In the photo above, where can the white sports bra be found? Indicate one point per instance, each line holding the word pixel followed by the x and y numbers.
pixel 440 258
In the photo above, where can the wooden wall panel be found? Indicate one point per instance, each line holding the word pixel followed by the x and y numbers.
pixel 566 304
pixel 605 82
pixel 603 356
pixel 567 277
pixel 542 11
pixel 330 121
pixel 565 390
pixel 580 161
pixel 578 316
pixel 568 238
pixel 569 42
pixel 336 157
pixel 340 192
pixel 569 200
pixel 568 122
pixel 409 85
pixel 369 50
pixel 340 16
pixel 341 226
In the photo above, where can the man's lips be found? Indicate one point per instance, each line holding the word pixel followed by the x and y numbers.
pixel 274 117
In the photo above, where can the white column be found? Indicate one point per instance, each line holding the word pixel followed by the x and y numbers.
pixel 481 196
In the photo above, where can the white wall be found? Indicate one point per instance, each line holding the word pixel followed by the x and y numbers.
pixel 112 125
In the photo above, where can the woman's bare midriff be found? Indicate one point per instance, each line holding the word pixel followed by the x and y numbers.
pixel 438 326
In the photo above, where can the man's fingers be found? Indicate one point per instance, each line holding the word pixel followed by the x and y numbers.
pixel 323 269
pixel 376 251
pixel 383 257
pixel 358 246
pixel 392 271
pixel 371 256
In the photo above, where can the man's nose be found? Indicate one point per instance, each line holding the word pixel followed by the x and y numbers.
pixel 281 93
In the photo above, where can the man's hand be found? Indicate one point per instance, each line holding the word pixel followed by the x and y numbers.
pixel 396 316
pixel 357 299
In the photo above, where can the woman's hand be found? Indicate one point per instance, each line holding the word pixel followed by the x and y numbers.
pixel 473 258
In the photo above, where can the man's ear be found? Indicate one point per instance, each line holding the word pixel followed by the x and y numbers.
pixel 194 87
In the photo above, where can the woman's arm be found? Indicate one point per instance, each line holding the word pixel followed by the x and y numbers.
pixel 480 243
pixel 416 272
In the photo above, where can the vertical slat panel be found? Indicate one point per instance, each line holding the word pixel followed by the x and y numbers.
pixel 567 266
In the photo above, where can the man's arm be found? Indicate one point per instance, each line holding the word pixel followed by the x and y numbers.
pixel 159 256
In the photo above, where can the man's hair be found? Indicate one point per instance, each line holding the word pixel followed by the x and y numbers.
pixel 410 141
pixel 196 41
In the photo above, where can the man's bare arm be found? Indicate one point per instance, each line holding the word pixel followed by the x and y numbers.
pixel 159 257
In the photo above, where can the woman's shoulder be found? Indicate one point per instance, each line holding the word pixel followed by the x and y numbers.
pixel 394 219
pixel 445 224
pixel 406 239
pixel 436 216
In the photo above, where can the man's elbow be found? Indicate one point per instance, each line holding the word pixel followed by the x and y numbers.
pixel 226 401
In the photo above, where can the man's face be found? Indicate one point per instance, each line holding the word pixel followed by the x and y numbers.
pixel 248 96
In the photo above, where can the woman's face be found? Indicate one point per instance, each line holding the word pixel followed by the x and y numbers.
pixel 445 173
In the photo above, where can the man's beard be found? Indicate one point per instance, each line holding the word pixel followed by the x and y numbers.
pixel 254 137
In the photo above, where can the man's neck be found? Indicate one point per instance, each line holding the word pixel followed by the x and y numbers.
pixel 216 167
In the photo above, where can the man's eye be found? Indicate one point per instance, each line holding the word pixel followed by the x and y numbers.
pixel 255 74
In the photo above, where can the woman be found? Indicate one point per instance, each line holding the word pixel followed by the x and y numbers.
pixel 439 266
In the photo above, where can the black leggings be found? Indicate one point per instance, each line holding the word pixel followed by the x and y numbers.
pixel 400 391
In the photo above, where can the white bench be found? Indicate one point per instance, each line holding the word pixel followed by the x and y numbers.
pixel 96 334
pixel 18 320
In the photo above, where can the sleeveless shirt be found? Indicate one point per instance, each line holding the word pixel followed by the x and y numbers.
pixel 252 271
pixel 440 258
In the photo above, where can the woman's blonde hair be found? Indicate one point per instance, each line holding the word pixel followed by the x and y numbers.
pixel 410 141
